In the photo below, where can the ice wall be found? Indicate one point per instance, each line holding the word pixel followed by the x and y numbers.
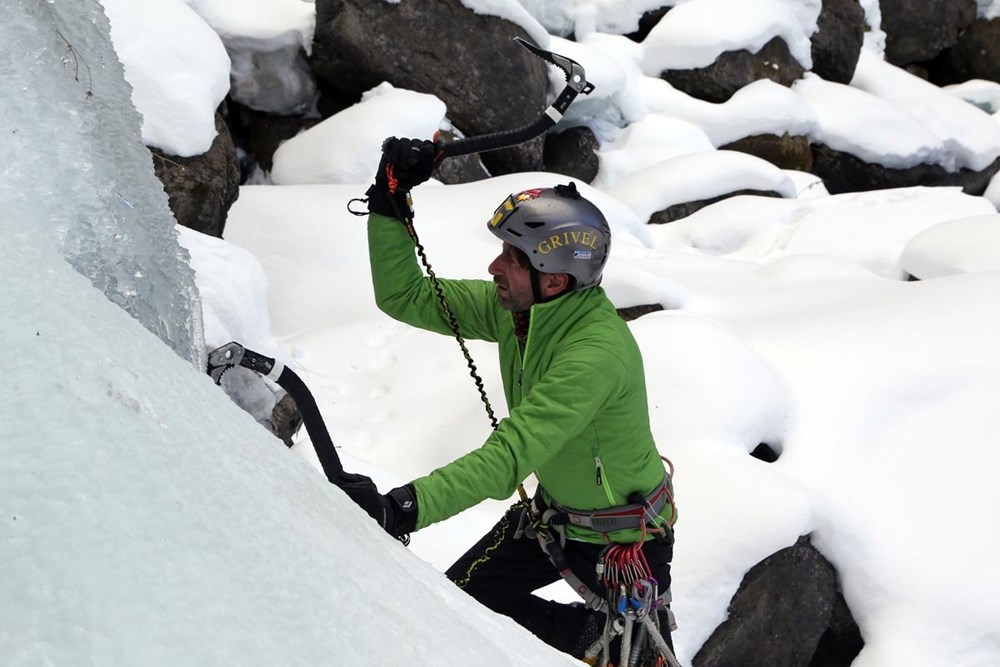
pixel 74 166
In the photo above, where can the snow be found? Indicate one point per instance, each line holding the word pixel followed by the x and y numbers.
pixel 341 150
pixel 264 24
pixel 988 9
pixel 762 107
pixel 197 538
pixel 511 10
pixel 857 122
pixel 971 137
pixel 692 36
pixel 178 69
pixel 963 245
pixel 984 94
pixel 697 176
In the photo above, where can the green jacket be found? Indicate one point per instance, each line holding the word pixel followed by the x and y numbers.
pixel 577 395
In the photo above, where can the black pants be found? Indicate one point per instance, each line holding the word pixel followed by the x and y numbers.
pixel 505 579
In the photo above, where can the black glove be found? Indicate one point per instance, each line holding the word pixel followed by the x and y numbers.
pixel 395 511
pixel 406 163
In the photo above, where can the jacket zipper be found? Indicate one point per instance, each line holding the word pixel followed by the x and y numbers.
pixel 524 353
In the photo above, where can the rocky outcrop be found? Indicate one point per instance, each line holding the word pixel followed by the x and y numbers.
pixel 443 48
pixel 678 211
pixel 842 172
pixel 976 55
pixel 786 151
pixel 782 611
pixel 573 152
pixel 918 30
pixel 259 134
pixel 461 168
pixel 630 313
pixel 202 188
pixel 285 421
pixel 735 69
pixel 836 45
pixel 647 22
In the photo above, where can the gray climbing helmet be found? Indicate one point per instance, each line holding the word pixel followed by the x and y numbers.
pixel 559 231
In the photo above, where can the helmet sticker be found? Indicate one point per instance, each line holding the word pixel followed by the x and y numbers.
pixel 525 195
pixel 582 254
pixel 511 203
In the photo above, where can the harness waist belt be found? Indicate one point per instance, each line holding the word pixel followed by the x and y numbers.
pixel 623 517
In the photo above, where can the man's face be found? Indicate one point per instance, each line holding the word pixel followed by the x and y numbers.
pixel 512 275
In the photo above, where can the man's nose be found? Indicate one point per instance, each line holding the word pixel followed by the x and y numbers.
pixel 494 267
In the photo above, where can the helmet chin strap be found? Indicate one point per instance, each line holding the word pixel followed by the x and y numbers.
pixel 536 287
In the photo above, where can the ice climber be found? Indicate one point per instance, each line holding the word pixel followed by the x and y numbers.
pixel 575 388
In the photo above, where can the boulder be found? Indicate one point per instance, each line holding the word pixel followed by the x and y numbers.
pixel 573 152
pixel 630 313
pixel 202 188
pixel 918 30
pixel 733 70
pixel 259 134
pixel 647 22
pixel 786 151
pixel 777 617
pixel 842 641
pixel 285 420
pixel 976 55
pixel 843 172
pixel 836 45
pixel 461 168
pixel 443 48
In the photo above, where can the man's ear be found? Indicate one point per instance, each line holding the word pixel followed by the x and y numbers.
pixel 554 283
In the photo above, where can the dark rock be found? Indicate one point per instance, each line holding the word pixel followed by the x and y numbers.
pixel 259 134
pixel 918 30
pixel 765 453
pixel 331 101
pixel 443 48
pixel 842 172
pixel 202 188
pixel 461 168
pixel 842 642
pixel 573 152
pixel 678 211
pixel 285 420
pixel 976 55
pixel 734 69
pixel 836 45
pixel 634 312
pixel 777 617
pixel 786 151
pixel 647 22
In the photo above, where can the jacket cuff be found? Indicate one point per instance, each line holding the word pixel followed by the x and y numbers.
pixel 398 206
pixel 404 500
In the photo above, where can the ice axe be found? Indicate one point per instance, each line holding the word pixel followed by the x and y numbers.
pixel 233 354
pixel 576 83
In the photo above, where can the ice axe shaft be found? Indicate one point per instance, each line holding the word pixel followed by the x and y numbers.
pixel 576 83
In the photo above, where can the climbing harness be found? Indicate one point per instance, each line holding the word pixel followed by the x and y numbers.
pixel 630 599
